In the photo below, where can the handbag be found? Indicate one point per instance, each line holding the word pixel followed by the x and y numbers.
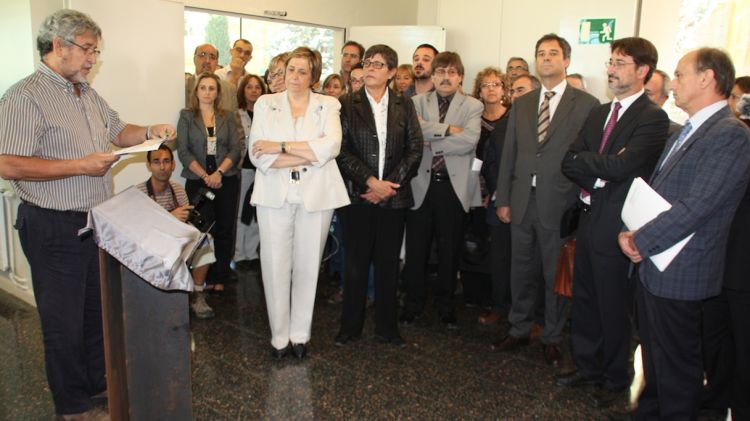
pixel 564 273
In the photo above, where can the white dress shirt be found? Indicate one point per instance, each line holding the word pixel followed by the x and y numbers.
pixel 380 112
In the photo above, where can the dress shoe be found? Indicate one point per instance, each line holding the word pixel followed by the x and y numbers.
pixel 94 414
pixel 536 330
pixel 552 355
pixel 575 379
pixel 603 397
pixel 621 416
pixel 509 343
pixel 395 340
pixel 407 319
pixel 299 350
pixel 489 318
pixel 449 321
pixel 279 354
pixel 344 339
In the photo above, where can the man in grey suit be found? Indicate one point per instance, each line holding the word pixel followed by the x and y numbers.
pixel 703 173
pixel 532 188
pixel 445 187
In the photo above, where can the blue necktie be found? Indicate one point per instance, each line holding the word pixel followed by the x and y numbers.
pixel 678 144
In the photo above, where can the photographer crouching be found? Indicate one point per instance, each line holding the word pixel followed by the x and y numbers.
pixel 172 197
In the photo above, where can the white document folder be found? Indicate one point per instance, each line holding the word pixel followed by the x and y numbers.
pixel 641 206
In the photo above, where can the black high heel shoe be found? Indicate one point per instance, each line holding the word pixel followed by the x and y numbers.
pixel 279 354
pixel 299 350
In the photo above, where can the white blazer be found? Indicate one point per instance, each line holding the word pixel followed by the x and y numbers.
pixel 321 184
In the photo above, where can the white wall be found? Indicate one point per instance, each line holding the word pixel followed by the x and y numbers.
pixel 488 32
pixel 140 70
pixel 339 13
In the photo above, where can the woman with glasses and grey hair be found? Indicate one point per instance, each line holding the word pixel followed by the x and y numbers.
pixel 294 140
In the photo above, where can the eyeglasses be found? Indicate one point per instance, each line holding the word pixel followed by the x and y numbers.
pixel 511 68
pixel 442 72
pixel 490 85
pixel 89 51
pixel 357 80
pixel 244 53
pixel 211 56
pixel 272 76
pixel 377 65
pixel 617 64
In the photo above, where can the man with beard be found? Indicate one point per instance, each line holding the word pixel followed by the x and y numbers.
pixel 620 141
pixel 422 66
pixel 55 135
pixel 351 55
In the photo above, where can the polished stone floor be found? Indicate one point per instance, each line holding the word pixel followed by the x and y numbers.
pixel 441 374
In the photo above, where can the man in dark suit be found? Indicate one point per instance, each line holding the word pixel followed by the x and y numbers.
pixel 445 187
pixel 532 188
pixel 703 173
pixel 380 151
pixel 620 140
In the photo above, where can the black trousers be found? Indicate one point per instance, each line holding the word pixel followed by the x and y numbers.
pixel 670 332
pixel 726 352
pixel 500 266
pixel 65 276
pixel 602 310
pixel 224 209
pixel 441 215
pixel 372 235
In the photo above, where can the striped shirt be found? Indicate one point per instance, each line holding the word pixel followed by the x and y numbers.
pixel 165 199
pixel 41 116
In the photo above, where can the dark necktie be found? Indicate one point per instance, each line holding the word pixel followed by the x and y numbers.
pixel 678 143
pixel 608 129
pixel 438 162
pixel 542 123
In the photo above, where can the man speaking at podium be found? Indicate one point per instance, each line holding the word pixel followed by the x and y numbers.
pixel 55 135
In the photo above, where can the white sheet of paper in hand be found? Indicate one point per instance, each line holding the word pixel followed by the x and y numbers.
pixel 641 206
pixel 149 145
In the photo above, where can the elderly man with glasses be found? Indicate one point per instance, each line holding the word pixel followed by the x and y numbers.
pixel 56 133
pixel 206 59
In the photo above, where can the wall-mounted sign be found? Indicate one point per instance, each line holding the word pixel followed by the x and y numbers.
pixel 596 31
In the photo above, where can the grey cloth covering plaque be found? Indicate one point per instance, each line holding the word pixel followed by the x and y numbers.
pixel 146 238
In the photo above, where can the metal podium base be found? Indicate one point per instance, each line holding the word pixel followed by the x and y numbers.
pixel 146 345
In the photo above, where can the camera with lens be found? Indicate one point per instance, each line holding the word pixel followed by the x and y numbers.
pixel 197 216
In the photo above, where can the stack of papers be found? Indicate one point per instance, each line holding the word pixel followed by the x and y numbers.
pixel 642 205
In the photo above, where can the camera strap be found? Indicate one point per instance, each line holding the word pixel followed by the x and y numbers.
pixel 152 194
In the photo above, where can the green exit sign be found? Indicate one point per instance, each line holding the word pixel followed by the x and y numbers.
pixel 596 31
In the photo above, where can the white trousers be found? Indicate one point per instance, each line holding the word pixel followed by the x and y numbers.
pixel 292 242
pixel 247 238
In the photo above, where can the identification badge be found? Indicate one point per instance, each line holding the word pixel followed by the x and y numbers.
pixel 211 145
pixel 294 176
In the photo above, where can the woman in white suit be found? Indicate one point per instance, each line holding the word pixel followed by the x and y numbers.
pixel 294 140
